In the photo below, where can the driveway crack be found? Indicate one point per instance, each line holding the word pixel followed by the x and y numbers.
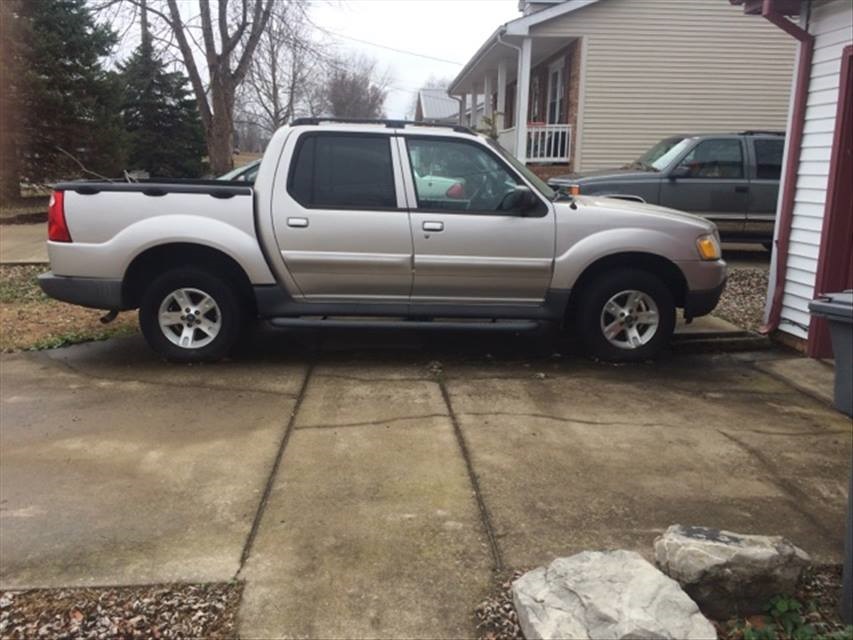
pixel 259 513
pixel 475 481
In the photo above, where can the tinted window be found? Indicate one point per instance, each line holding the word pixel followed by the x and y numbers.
pixel 460 177
pixel 768 158
pixel 721 158
pixel 343 171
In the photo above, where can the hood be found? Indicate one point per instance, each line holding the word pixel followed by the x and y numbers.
pixel 618 207
pixel 603 175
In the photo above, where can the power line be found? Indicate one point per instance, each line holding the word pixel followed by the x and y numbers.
pixel 383 46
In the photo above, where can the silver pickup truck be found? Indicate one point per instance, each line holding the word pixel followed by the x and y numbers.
pixel 379 223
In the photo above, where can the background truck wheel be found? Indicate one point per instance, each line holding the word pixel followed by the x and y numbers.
pixel 190 315
pixel 626 315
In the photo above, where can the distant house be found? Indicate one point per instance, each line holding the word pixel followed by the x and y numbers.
pixel 594 83
pixel 813 241
pixel 436 106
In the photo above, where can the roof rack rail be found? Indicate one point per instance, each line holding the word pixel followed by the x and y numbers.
pixel 756 132
pixel 391 124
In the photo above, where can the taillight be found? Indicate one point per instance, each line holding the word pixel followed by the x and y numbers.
pixel 57 230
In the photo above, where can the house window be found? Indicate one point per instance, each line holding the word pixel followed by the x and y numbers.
pixel 535 97
pixel 333 171
pixel 556 92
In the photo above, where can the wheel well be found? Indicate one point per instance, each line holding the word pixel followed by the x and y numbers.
pixel 152 262
pixel 665 269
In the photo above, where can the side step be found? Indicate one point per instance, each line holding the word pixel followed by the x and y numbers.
pixel 371 323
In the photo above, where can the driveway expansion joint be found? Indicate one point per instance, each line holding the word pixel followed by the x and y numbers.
pixel 259 513
pixel 371 423
pixel 486 519
pixel 794 495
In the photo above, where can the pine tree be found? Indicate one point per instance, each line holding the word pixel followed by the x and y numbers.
pixel 67 99
pixel 165 135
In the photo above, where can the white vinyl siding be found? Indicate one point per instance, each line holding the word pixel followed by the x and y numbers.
pixel 831 22
pixel 660 67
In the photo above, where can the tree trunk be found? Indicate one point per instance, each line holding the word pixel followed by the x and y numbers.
pixel 220 134
pixel 10 173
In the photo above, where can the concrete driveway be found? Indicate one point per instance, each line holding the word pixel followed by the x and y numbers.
pixel 368 484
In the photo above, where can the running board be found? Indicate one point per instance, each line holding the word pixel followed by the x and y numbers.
pixel 339 323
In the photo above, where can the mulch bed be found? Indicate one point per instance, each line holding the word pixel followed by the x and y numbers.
pixel 160 611
pixel 819 591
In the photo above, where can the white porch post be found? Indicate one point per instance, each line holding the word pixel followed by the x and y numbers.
pixel 523 96
pixel 501 95
pixel 470 100
pixel 487 97
pixel 475 115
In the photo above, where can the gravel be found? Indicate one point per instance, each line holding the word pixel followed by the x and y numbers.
pixel 496 616
pixel 160 611
pixel 742 302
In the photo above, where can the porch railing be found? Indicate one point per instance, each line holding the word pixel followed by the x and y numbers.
pixel 549 142
pixel 545 142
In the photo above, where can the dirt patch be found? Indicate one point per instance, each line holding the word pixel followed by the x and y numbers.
pixel 742 302
pixel 160 611
pixel 817 596
pixel 31 320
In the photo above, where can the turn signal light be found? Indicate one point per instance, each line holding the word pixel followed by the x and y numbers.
pixel 709 247
pixel 574 190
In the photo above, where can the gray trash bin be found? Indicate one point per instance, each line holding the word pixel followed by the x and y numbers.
pixel 837 308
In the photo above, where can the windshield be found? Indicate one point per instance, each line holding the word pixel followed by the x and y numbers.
pixel 535 180
pixel 660 156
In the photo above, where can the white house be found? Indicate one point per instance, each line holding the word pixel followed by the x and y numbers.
pixel 594 83
pixel 813 250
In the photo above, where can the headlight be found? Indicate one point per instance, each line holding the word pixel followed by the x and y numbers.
pixel 708 247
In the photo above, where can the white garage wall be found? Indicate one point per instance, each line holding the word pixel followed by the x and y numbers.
pixel 831 22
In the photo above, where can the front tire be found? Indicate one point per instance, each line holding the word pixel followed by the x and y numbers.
pixel 626 315
pixel 190 315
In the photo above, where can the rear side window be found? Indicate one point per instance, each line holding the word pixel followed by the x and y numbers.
pixel 339 171
pixel 768 158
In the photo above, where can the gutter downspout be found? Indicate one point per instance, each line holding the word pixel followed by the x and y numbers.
pixel 461 109
pixel 795 139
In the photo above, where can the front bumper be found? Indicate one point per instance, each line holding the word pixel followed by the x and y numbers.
pixel 703 302
pixel 96 293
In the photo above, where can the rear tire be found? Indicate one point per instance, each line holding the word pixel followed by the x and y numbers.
pixel 626 315
pixel 191 315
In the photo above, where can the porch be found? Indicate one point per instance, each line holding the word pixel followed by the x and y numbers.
pixel 530 87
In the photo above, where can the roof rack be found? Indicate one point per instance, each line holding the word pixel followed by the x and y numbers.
pixel 756 132
pixel 391 124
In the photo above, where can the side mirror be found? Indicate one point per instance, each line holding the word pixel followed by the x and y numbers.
pixel 520 199
pixel 681 171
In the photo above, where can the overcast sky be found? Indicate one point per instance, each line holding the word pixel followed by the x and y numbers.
pixel 449 29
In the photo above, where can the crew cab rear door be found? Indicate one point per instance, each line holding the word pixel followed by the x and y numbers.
pixel 467 250
pixel 341 223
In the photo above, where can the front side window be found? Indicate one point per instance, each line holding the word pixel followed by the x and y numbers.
pixel 720 158
pixel 459 176
pixel 334 171
pixel 768 158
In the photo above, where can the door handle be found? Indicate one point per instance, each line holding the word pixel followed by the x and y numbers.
pixel 297 222
pixel 741 189
pixel 433 226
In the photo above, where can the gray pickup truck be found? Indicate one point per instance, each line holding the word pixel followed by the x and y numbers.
pixel 731 179
pixel 379 224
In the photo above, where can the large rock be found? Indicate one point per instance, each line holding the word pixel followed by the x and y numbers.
pixel 610 594
pixel 729 573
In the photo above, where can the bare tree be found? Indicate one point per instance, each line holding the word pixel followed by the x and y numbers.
pixel 285 72
pixel 355 89
pixel 228 42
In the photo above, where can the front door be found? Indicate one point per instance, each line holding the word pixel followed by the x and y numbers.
pixel 710 180
pixel 469 246
pixel 341 230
